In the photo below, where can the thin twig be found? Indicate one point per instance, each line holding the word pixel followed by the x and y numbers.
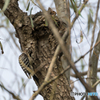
pixel 77 14
pixel 96 83
pixel 35 4
pixel 93 31
pixel 56 77
pixel 11 34
pixel 84 73
pixel 93 58
pixel 13 95
pixel 87 52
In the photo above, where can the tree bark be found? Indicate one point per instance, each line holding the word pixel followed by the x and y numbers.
pixel 39 43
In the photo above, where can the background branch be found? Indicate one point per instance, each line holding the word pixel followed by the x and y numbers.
pixel 13 95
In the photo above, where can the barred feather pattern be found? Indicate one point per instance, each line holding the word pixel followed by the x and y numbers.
pixel 25 65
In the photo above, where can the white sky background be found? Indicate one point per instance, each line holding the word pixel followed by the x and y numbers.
pixel 12 76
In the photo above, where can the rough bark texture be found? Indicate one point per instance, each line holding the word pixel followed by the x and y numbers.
pixel 40 44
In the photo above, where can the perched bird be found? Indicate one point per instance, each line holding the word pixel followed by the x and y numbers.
pixel 25 65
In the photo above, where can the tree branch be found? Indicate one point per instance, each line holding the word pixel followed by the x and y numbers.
pixel 83 73
pixel 77 14
pixel 93 59
pixel 13 95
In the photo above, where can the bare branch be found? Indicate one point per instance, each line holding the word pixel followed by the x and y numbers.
pixel 93 59
pixel 95 84
pixel 84 73
pixel 88 51
pixel 93 31
pixel 13 95
pixel 77 14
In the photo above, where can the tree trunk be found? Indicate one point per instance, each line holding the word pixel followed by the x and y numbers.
pixel 39 43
